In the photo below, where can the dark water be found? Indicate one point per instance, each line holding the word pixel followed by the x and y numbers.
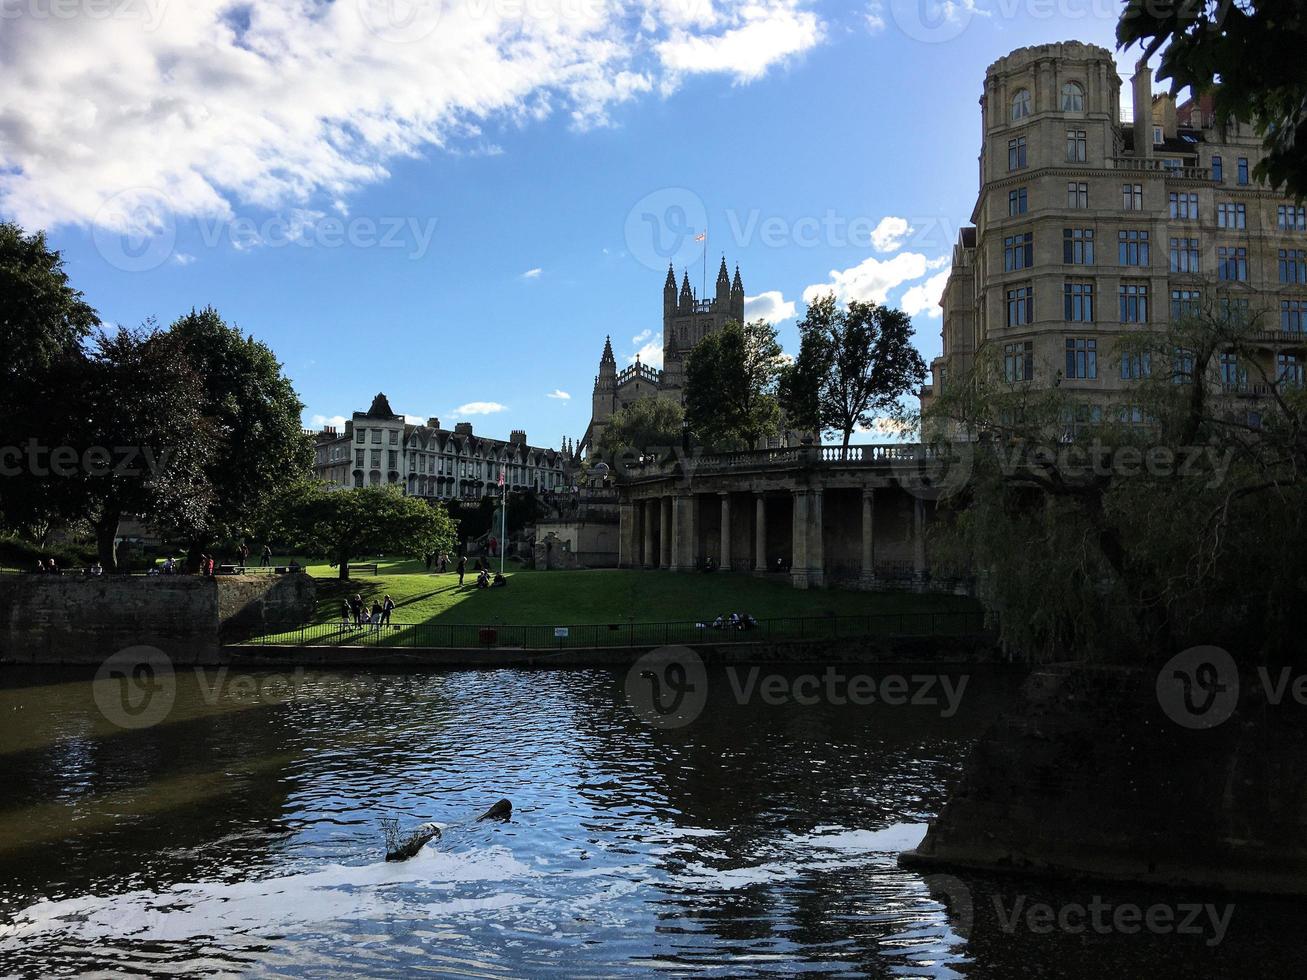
pixel 241 835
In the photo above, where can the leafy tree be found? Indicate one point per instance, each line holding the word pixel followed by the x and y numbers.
pixel 43 323
pixel 137 435
pixel 258 446
pixel 731 382
pixel 853 364
pixel 644 425
pixel 344 524
pixel 1248 55
pixel 1175 520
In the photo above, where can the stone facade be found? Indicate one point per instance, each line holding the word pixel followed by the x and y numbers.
pixel 1087 227
pixel 378 446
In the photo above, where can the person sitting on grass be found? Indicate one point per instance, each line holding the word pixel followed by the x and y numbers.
pixel 483 579
pixel 499 582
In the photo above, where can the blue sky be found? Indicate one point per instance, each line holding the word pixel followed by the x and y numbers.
pixel 458 215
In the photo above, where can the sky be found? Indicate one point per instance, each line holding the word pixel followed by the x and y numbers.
pixel 455 201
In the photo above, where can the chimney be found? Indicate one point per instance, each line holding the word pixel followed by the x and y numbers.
pixel 1165 115
pixel 1141 85
pixel 517 437
pixel 463 428
pixel 433 423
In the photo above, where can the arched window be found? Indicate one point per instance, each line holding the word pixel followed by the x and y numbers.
pixel 1021 104
pixel 1073 98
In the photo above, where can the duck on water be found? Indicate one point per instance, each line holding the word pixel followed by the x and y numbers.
pixel 401 847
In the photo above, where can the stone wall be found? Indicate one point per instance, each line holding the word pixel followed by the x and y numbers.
pixel 67 619
pixel 1089 777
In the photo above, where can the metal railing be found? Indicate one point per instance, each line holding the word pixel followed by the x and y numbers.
pixel 593 636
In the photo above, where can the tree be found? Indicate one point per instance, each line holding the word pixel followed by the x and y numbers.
pixel 43 323
pixel 138 438
pixel 852 365
pixel 1176 520
pixel 258 446
pixel 1248 56
pixel 731 385
pixel 642 426
pixel 343 524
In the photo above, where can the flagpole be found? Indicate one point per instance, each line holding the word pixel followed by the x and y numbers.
pixel 503 522
pixel 703 283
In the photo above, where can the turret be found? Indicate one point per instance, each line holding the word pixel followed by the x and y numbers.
pixel 687 295
pixel 723 286
pixel 607 367
pixel 737 297
pixel 669 293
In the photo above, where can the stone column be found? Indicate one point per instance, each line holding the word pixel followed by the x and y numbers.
pixel 868 538
pixel 684 533
pixel 919 541
pixel 626 536
pixel 760 534
pixel 665 535
pixel 816 539
pixel 726 532
pixel 807 569
pixel 648 558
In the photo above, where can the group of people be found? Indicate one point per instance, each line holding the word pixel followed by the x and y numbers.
pixel 356 612
pixel 484 581
pixel 439 561
pixel 47 566
pixel 734 621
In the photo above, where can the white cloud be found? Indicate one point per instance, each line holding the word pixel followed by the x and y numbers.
pixel 532 273
pixel 874 17
pixel 479 408
pixel 924 297
pixel 336 421
pixel 560 395
pixel 872 279
pixel 650 352
pixel 889 234
pixel 216 109
pixel 770 306
pixel 182 258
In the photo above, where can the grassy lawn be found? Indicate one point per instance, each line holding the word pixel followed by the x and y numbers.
pixel 604 597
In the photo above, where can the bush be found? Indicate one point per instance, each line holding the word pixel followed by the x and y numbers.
pixel 16 552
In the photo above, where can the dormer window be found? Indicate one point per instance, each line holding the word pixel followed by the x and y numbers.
pixel 1073 98
pixel 1021 104
pixel 1157 136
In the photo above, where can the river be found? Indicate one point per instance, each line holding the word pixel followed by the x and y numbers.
pixel 236 830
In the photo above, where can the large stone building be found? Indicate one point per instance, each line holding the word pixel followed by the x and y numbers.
pixel 378 446
pixel 687 319
pixel 1088 226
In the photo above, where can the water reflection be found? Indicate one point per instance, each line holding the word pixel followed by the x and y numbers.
pixel 243 833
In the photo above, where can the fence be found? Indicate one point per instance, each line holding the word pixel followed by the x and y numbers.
pixel 464 636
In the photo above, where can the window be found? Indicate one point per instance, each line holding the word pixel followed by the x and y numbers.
pixel 1082 358
pixel 1018 252
pixel 1290 218
pixel 1132 247
pixel 1232 263
pixel 358 459
pixel 1184 207
pixel 1135 367
pixel 1289 370
pixel 1293 314
pixel 375 457
pixel 1076 145
pixel 1158 136
pixel 1233 374
pixel 1132 197
pixel 1016 202
pixel 1293 265
pixel 392 460
pixel 1019 361
pixel 1073 97
pixel 1233 311
pixel 1132 415
pixel 1184 254
pixel 360 435
pixel 1016 153
pixel 1231 215
pixel 1077 195
pixel 1078 246
pixel 1185 302
pixel 1243 170
pixel 1020 306
pixel 394 437
pixel 1078 301
pixel 1217 173
pixel 1134 302
pixel 1021 104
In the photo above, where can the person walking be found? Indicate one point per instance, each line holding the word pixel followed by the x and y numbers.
pixel 375 618
pixel 346 613
pixel 462 568
pixel 357 603
pixel 387 604
pixel 267 557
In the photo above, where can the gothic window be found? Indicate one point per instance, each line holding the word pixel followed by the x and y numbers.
pixel 1073 98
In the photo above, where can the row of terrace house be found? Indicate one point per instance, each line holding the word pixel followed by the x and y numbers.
pixel 380 447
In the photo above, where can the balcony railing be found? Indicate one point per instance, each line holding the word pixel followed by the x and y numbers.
pixel 1160 165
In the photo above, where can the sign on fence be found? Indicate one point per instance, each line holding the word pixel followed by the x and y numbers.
pixel 560 632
